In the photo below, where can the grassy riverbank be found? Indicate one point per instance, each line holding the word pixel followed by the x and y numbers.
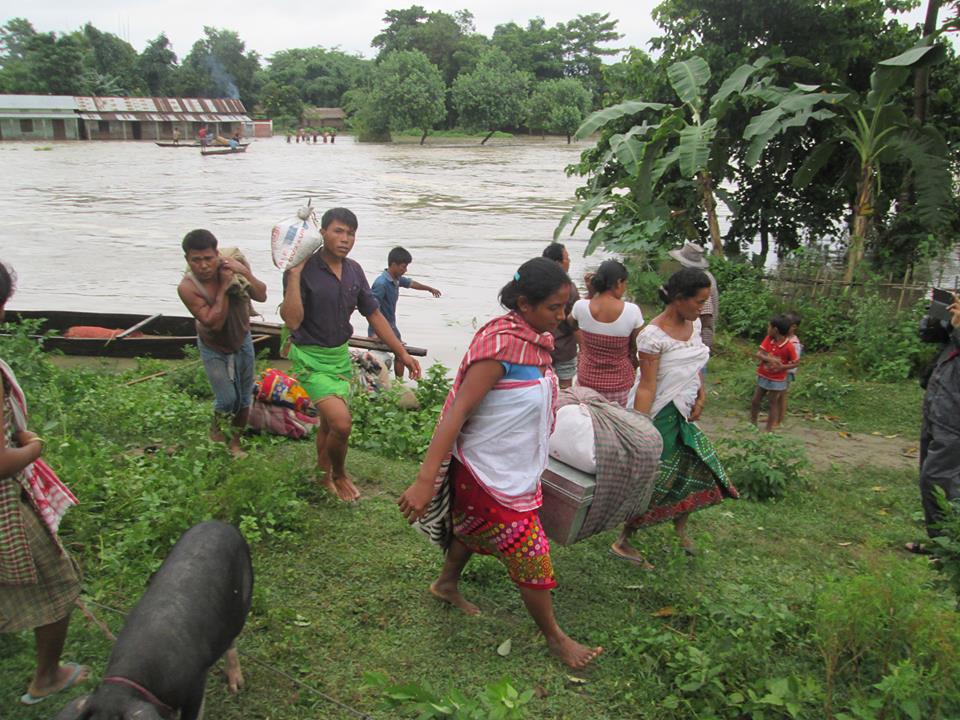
pixel 784 601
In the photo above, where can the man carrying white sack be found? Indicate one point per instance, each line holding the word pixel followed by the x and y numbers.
pixel 319 296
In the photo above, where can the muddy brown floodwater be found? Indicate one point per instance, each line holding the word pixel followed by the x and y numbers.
pixel 97 225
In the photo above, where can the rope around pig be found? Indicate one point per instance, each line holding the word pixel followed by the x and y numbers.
pixel 256 661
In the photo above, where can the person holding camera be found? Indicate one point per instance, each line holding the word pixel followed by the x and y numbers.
pixel 940 431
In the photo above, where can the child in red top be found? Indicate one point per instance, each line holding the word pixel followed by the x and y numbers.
pixel 777 355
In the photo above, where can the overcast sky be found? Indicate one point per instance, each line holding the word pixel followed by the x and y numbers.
pixel 270 25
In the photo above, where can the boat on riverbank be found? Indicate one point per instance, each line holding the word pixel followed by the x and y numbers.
pixel 127 335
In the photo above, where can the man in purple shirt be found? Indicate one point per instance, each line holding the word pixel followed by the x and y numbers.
pixel 319 296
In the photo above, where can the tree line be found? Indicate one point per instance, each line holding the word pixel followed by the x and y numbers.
pixel 817 125
pixel 431 70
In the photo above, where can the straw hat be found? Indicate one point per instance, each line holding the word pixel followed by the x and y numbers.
pixel 690 255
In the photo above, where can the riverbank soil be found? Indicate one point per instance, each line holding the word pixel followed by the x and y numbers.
pixel 343 589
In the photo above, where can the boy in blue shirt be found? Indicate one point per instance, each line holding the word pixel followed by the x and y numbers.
pixel 386 289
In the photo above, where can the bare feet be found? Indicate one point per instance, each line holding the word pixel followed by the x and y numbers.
pixel 67 676
pixel 341 486
pixel 624 550
pixel 217 436
pixel 572 653
pixel 689 547
pixel 235 448
pixel 231 669
pixel 451 594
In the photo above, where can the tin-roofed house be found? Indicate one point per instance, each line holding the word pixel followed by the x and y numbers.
pixel 149 118
pixel 39 117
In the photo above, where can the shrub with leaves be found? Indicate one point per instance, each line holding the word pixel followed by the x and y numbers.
pixel 382 426
pixel 763 466
pixel 500 700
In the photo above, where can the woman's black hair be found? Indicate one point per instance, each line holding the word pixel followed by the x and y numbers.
pixel 536 280
pixel 794 317
pixel 684 283
pixel 8 281
pixel 608 275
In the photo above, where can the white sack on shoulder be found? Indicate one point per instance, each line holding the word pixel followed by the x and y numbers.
pixel 572 441
pixel 295 239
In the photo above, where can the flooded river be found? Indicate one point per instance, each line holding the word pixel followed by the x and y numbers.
pixel 97 225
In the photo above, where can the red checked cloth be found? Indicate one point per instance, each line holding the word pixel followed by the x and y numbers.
pixel 508 339
pixel 49 497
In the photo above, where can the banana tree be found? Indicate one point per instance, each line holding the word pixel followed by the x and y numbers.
pixel 878 132
pixel 677 145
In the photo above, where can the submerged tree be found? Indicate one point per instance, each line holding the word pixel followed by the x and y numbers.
pixel 558 106
pixel 493 96
pixel 409 89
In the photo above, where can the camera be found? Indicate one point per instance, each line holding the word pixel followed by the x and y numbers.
pixel 935 326
pixel 940 304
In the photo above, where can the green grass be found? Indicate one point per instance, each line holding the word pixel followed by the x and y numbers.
pixel 827 393
pixel 341 590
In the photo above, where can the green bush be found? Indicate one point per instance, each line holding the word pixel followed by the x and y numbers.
pixel 382 426
pixel 890 647
pixel 763 466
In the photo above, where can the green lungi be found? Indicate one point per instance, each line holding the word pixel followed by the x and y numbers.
pixel 690 476
pixel 323 372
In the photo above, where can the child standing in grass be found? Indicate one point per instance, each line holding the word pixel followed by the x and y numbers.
pixel 794 319
pixel 777 356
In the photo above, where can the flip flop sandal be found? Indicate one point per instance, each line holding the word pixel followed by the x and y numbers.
pixel 29 698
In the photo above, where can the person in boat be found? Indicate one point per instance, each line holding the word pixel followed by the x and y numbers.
pixel 234 143
pixel 223 331
pixel 39 581
pixel 608 329
pixel 203 136
pixel 176 136
pixel 319 296
pixel 670 391
pixel 489 450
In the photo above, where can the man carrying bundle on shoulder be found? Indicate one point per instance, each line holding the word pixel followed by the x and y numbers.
pixel 319 296
pixel 217 291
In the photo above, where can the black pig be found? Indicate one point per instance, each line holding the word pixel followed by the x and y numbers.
pixel 194 608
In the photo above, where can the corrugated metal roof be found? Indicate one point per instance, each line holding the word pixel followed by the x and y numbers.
pixel 38 102
pixel 200 106
pixel 38 116
pixel 156 117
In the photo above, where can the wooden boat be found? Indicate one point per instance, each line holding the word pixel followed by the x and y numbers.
pixel 219 150
pixel 188 145
pixel 158 336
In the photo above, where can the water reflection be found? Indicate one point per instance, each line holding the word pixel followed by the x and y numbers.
pixel 97 226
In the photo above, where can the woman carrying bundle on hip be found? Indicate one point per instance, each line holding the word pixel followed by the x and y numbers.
pixel 608 329
pixel 39 581
pixel 478 488
pixel 670 390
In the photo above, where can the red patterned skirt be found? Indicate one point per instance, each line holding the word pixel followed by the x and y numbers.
pixel 486 527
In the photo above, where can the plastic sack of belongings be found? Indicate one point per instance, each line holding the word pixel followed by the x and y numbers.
pixel 295 239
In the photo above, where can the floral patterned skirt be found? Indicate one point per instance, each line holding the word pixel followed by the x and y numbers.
pixel 489 528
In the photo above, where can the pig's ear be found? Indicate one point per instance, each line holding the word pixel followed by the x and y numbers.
pixel 75 710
